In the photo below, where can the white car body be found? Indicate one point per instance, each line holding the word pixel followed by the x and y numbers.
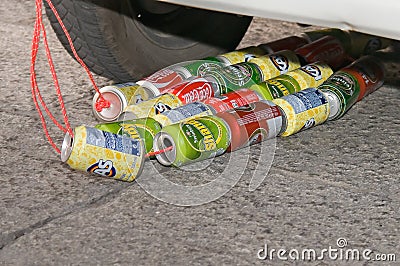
pixel 373 17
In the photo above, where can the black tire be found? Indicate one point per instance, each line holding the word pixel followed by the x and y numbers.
pixel 125 40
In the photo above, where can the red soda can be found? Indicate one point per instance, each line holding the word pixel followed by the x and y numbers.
pixel 193 90
pixel 232 100
pixel 328 49
pixel 252 124
pixel 161 79
pixel 288 43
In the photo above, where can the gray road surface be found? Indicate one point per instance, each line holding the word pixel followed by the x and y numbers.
pixel 337 180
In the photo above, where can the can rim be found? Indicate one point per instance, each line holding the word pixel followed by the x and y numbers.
pixel 67 146
pixel 149 87
pixel 109 89
pixel 333 101
pixel 167 158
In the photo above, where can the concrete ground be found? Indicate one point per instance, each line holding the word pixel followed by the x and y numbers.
pixel 338 181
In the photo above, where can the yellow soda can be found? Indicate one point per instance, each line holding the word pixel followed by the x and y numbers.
pixel 308 76
pixel 104 153
pixel 277 64
pixel 152 107
pixel 242 55
pixel 302 110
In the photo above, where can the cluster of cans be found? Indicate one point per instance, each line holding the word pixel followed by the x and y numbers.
pixel 200 109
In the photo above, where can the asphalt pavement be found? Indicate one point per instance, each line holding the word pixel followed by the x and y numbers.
pixel 335 186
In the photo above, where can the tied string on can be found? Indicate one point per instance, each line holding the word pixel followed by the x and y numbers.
pixel 154 153
pixel 39 30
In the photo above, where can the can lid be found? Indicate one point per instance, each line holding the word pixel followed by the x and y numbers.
pixel 117 100
pixel 334 104
pixel 66 148
pixel 163 140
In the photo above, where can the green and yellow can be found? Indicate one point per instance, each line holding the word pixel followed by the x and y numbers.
pixel 192 141
pixel 276 64
pixel 308 76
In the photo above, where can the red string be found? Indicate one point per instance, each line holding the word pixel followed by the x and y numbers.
pixel 35 88
pixel 150 154
pixel 106 103
pixel 39 29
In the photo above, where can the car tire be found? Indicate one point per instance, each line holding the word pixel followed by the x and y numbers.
pixel 125 40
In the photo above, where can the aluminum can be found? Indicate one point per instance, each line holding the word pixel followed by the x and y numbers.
pixel 151 107
pixel 302 110
pixel 119 96
pixel 104 153
pixel 328 49
pixel 210 106
pixel 171 76
pixel 276 64
pixel 342 35
pixel 165 77
pixel 193 140
pixel 351 84
pixel 307 76
pixel 365 44
pixel 288 43
pixel 193 90
pixel 233 100
pixel 242 55
pixel 144 128
pixel 234 77
pixel 252 124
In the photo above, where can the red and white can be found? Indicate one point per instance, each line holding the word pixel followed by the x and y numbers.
pixel 232 100
pixel 193 90
pixel 252 124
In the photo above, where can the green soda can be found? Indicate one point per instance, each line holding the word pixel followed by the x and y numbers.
pixel 197 68
pixel 144 128
pixel 233 77
pixel 308 76
pixel 192 141
pixel 351 84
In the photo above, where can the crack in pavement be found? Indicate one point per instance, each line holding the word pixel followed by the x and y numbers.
pixel 9 238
